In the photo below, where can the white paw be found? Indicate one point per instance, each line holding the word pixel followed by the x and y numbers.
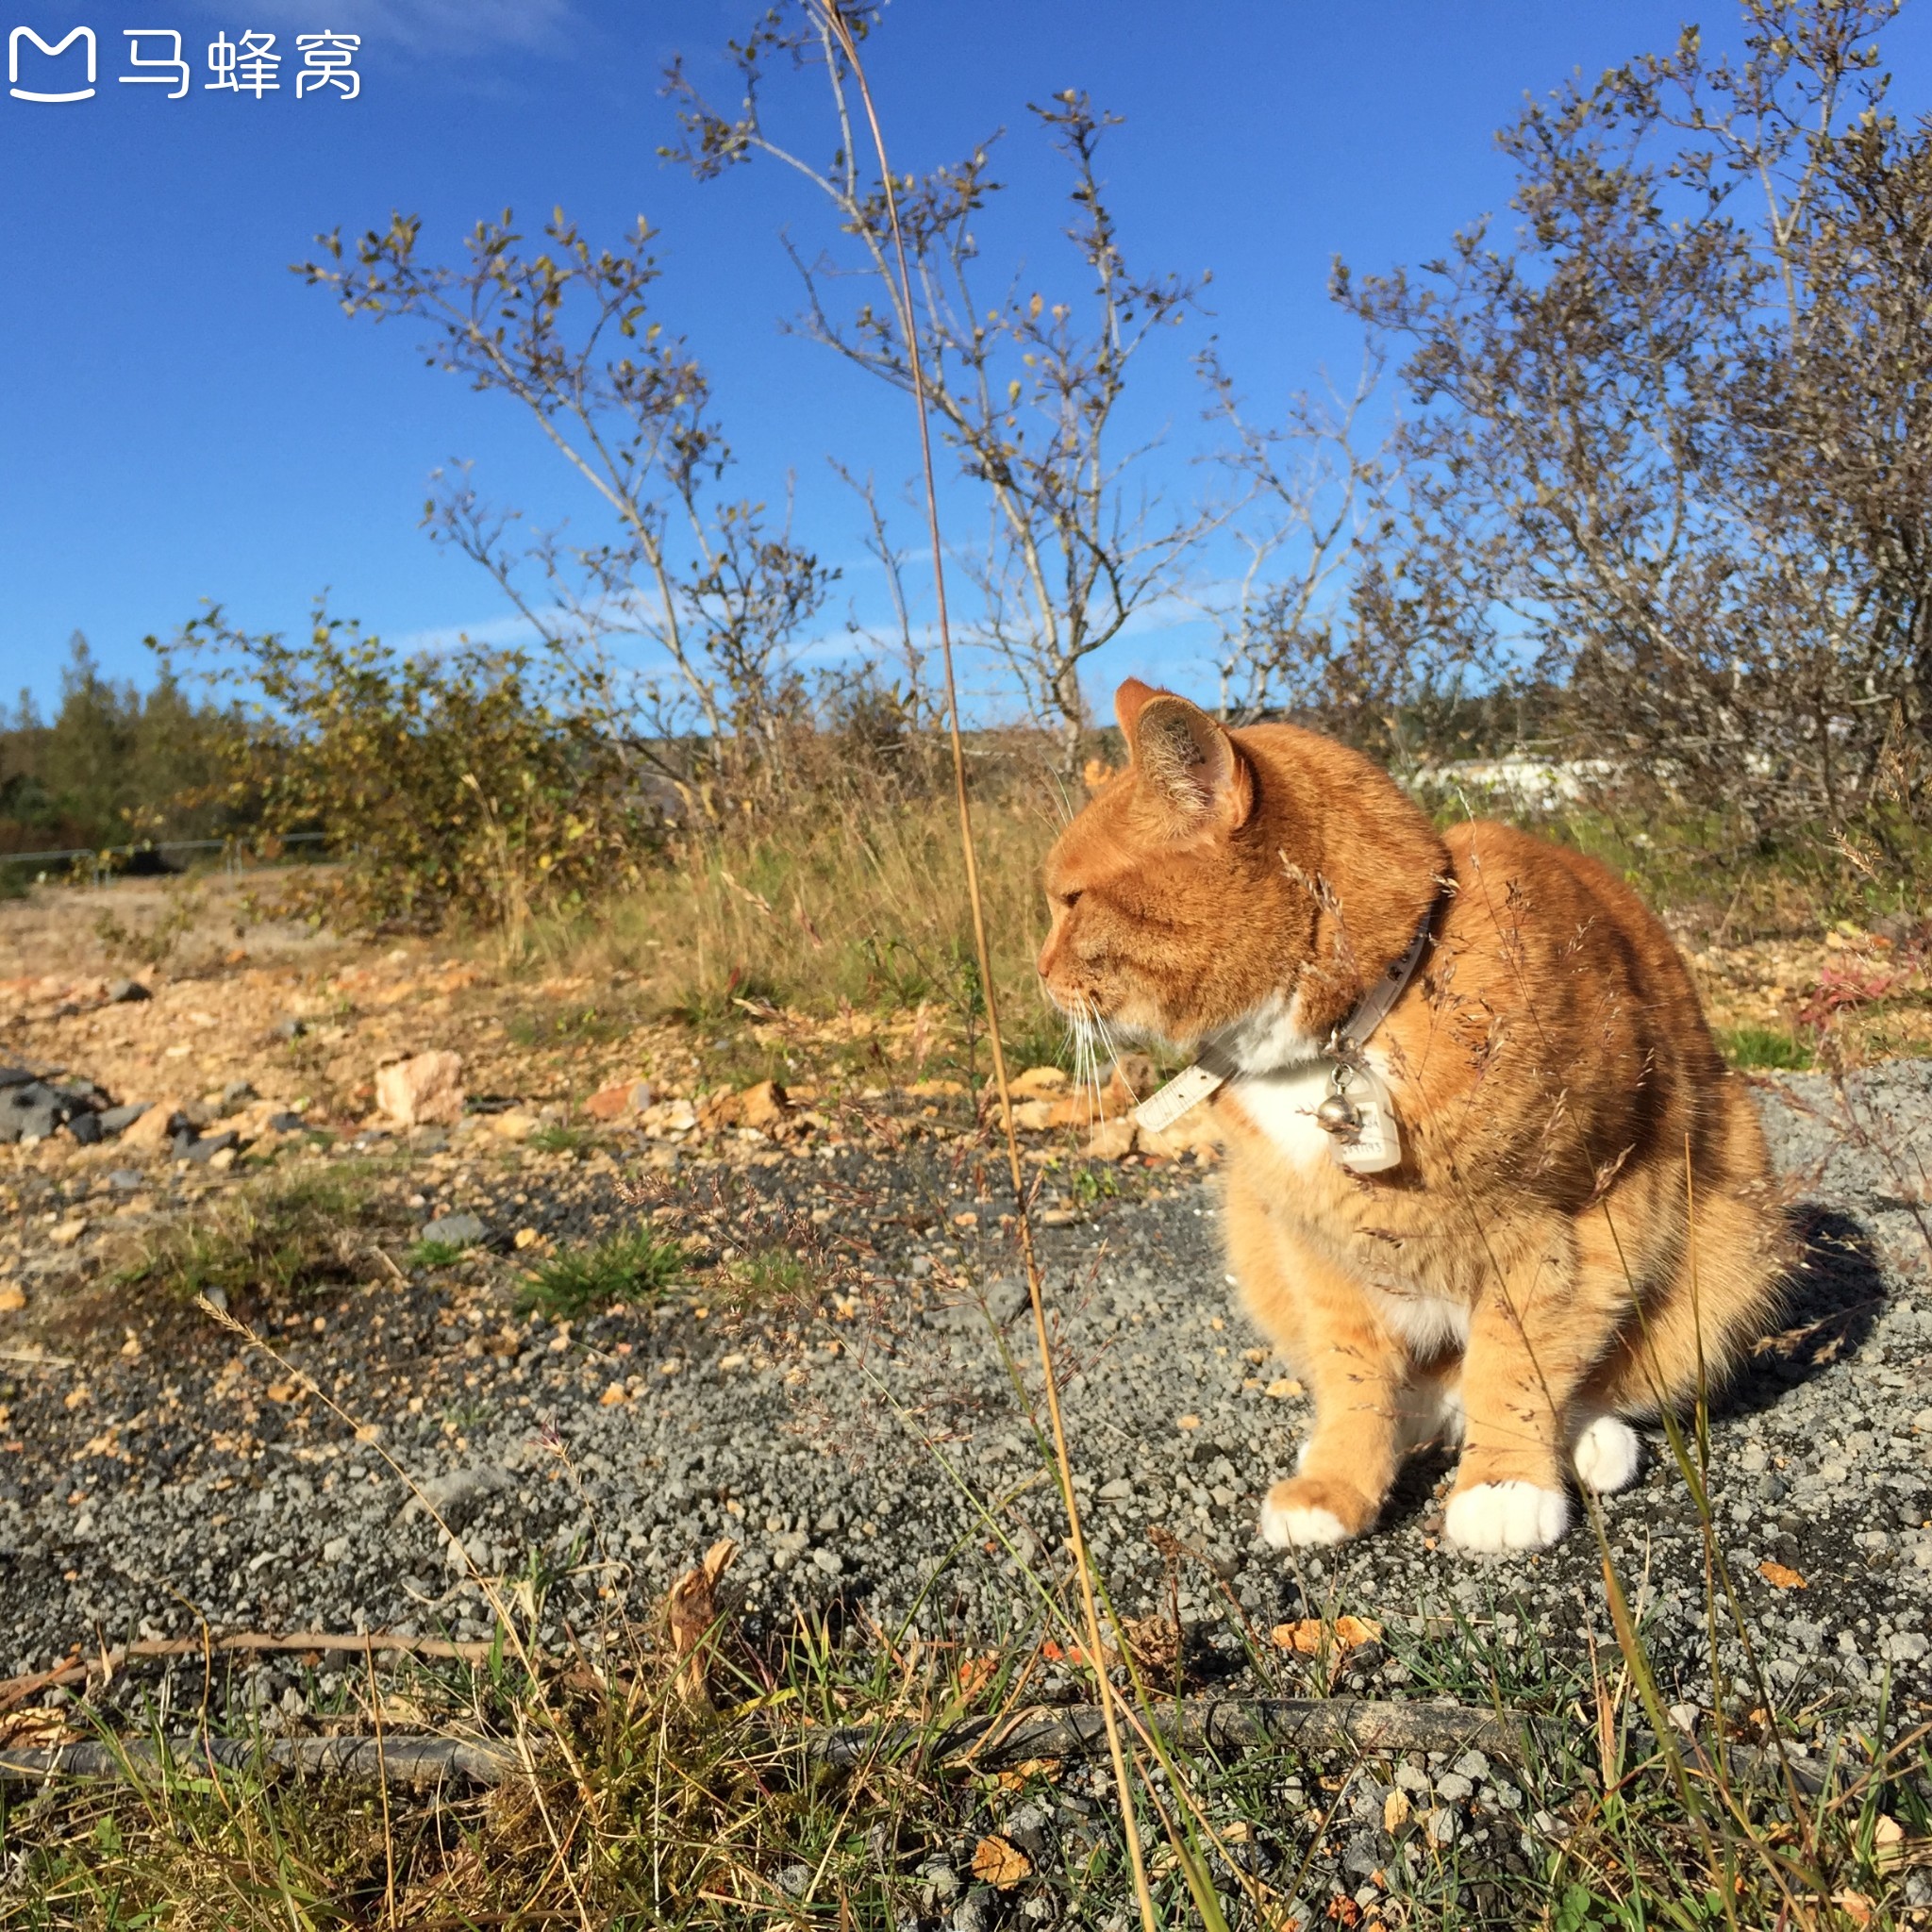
pixel 1283 1529
pixel 1606 1455
pixel 1507 1516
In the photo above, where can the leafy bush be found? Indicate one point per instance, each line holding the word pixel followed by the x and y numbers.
pixel 449 786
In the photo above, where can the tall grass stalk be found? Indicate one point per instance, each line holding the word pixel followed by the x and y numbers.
pixel 908 324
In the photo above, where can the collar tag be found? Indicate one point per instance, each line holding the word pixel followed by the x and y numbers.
pixel 1185 1091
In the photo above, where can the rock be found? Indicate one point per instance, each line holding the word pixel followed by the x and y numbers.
pixel 11 1299
pixel 622 1097
pixel 1134 1074
pixel 85 1126
pixel 202 1148
pixel 1441 1825
pixel 117 1120
pixel 32 1111
pixel 669 1120
pixel 14 1076
pixel 457 1496
pixel 1028 1827
pixel 514 1125
pixel 152 1127
pixel 1197 1132
pixel 762 1107
pixel 121 992
pixel 1452 1788
pixel 456 1230
pixel 427 1087
pixel 290 1028
pixel 126 1179
pixel 66 1233
pixel 1040 1082
pixel 285 1122
pixel 1111 1141
pixel 237 1094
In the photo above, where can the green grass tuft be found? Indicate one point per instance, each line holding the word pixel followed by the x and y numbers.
pixel 292 1233
pixel 436 1254
pixel 625 1268
pixel 1764 1046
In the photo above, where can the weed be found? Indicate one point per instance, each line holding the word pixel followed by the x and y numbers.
pixel 559 1140
pixel 770 1273
pixel 1764 1046
pixel 1091 1184
pixel 293 1233
pixel 436 1254
pixel 154 944
pixel 625 1268
pixel 573 1027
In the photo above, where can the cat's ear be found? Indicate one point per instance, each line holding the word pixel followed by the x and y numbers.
pixel 1185 758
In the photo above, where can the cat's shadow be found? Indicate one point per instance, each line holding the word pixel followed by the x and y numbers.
pixel 1832 1300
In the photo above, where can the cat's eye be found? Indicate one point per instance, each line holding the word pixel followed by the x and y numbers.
pixel 1067 901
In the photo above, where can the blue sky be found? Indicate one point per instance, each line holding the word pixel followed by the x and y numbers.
pixel 184 419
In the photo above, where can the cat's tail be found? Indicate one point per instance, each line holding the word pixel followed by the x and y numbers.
pixel 1732 1259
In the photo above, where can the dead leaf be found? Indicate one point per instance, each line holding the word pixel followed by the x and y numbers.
pixel 998 1863
pixel 1310 1634
pixel 1284 1388
pixel 1396 1811
pixel 1026 1771
pixel 34 1729
pixel 1779 1577
pixel 282 1392
pixel 692 1609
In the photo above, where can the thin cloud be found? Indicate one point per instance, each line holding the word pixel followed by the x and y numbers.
pixel 423 26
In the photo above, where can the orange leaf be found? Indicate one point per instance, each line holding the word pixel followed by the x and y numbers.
pixel 1780 1578
pixel 1311 1633
pixel 999 1863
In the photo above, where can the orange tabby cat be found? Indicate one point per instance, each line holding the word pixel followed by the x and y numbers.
pixel 1580 1226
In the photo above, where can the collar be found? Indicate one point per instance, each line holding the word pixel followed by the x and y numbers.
pixel 1345 1044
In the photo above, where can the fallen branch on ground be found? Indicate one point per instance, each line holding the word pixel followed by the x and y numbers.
pixel 400 1759
pixel 13 1689
pixel 1224 1728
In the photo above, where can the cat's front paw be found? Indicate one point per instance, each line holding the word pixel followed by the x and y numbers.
pixel 1606 1455
pixel 1300 1513
pixel 1507 1516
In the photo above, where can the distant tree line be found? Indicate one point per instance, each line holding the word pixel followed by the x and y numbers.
pixel 113 765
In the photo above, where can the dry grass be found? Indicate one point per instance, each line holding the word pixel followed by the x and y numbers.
pixel 855 899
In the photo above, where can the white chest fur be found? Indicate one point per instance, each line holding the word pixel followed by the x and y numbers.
pixel 1282 1106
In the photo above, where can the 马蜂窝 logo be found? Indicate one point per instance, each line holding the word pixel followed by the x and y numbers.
pixel 250 65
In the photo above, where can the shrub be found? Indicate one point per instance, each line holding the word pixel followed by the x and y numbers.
pixel 449 786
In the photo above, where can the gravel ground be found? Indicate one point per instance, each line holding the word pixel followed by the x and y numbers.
pixel 182 1474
